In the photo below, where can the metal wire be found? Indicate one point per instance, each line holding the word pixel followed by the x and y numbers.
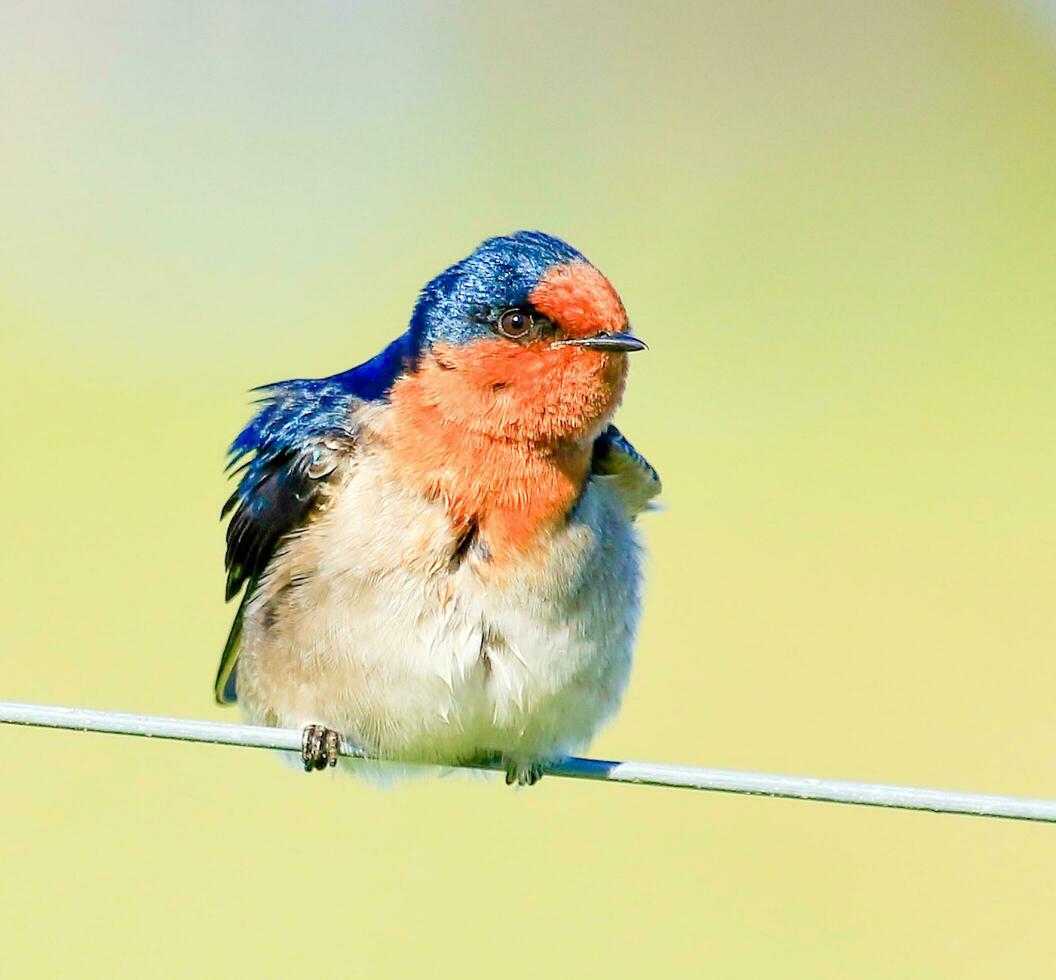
pixel 644 773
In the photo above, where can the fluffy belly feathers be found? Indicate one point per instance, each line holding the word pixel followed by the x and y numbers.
pixel 379 621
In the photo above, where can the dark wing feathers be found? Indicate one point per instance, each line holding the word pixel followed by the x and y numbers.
pixel 635 479
pixel 272 500
pixel 226 675
pixel 287 451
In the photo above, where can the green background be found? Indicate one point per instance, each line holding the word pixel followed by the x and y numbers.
pixel 835 223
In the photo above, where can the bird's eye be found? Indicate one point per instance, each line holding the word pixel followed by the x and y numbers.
pixel 515 324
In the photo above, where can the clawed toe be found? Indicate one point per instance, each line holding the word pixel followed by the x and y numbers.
pixel 523 773
pixel 319 747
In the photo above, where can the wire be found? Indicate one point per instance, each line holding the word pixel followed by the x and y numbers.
pixel 644 773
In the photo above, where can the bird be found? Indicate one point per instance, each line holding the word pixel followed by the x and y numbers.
pixel 436 552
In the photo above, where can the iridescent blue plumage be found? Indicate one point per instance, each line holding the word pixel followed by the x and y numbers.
pixel 458 304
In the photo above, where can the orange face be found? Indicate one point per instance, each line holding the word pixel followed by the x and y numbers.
pixel 538 391
pixel 503 430
pixel 580 300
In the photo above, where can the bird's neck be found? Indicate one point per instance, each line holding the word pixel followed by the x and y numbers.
pixel 501 468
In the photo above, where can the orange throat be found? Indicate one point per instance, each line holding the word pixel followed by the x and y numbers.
pixel 503 435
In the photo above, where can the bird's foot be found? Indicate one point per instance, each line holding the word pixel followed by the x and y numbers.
pixel 522 773
pixel 319 747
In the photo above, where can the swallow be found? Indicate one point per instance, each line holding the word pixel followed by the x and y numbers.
pixel 435 551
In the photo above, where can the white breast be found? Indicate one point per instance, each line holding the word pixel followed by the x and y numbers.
pixel 365 623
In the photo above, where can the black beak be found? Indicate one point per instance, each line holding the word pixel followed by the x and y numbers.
pixel 608 341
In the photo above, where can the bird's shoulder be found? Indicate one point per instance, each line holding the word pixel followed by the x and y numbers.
pixel 615 461
pixel 289 453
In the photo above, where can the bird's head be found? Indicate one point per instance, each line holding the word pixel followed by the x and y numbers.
pixel 524 338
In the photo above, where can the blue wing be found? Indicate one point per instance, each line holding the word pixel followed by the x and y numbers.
pixel 291 444
pixel 294 443
pixel 633 476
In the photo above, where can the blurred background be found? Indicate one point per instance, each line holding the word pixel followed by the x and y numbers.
pixel 834 222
